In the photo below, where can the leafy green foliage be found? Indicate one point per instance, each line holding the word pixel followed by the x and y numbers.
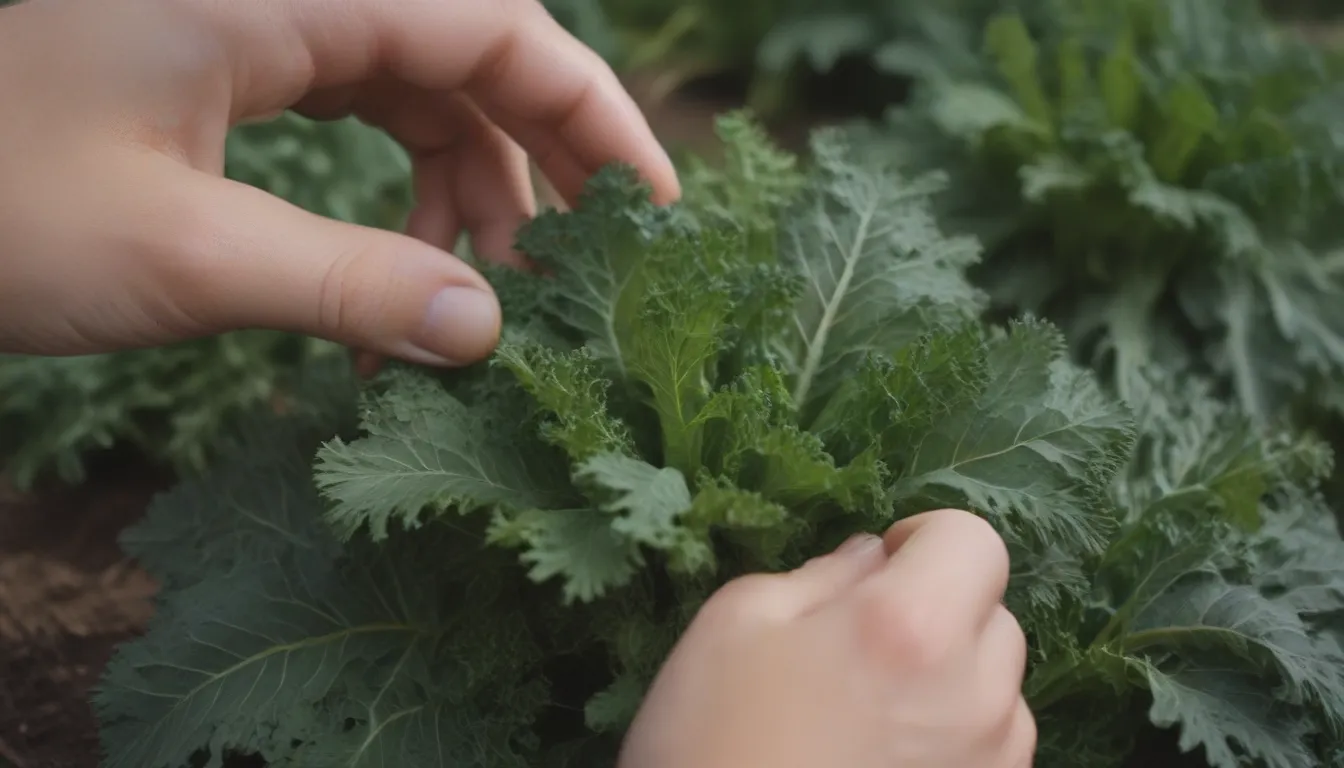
pixel 794 55
pixel 173 403
pixel 1159 178
pixel 1215 596
pixel 732 384
pixel 776 48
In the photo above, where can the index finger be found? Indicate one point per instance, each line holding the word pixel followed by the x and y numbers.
pixel 953 560
pixel 555 96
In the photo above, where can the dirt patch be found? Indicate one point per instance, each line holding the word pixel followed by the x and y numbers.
pixel 67 598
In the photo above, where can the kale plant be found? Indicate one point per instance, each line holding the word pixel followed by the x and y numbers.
pixel 487 566
pixel 1161 179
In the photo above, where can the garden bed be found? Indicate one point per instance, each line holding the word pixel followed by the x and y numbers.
pixel 67 597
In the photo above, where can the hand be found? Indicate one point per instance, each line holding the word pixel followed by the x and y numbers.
pixel 117 230
pixel 871 657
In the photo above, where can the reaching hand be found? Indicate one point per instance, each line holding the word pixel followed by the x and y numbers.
pixel 117 230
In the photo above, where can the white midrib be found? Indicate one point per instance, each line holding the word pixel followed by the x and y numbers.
pixel 609 317
pixel 817 347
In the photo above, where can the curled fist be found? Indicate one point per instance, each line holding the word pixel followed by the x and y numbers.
pixel 888 653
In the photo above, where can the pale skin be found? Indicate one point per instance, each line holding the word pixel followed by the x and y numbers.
pixel 117 231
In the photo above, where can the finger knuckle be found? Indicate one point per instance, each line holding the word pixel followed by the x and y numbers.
pixel 1015 639
pixel 746 600
pixel 897 630
pixel 353 286
pixel 982 540
pixel 1006 645
pixel 184 251
pixel 1009 639
pixel 1030 734
pixel 997 714
pixel 1019 736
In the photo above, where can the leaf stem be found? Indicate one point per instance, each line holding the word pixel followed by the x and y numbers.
pixel 817 347
pixel 1056 683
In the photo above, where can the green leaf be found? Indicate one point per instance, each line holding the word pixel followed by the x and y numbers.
pixel 1076 88
pixel 822 38
pixel 890 398
pixel 597 254
pixel 569 386
pixel 1191 119
pixel 1119 83
pixel 1203 613
pixel 1227 713
pixel 748 189
pixel 1219 585
pixel 678 335
pixel 878 270
pixel 175 403
pixel 761 447
pixel 1037 447
pixel 969 111
pixel 615 707
pixel 578 545
pixel 1179 209
pixel 647 502
pixel 721 504
pixel 255 505
pixel 425 450
pixel 1009 43
pixel 303 655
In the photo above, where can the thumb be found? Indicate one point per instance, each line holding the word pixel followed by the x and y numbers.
pixel 256 261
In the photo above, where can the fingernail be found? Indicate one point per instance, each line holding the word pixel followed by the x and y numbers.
pixel 859 544
pixel 461 326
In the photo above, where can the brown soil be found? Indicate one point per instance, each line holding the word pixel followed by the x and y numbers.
pixel 67 597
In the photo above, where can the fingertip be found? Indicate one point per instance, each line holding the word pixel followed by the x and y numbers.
pixel 903 530
pixel 462 326
pixel 666 187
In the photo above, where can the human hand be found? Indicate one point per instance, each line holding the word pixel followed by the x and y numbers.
pixel 871 657
pixel 117 230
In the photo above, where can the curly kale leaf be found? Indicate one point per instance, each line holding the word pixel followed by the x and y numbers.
pixel 1187 604
pixel 878 270
pixel 277 641
pixel 422 448
pixel 698 401
pixel 1160 179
